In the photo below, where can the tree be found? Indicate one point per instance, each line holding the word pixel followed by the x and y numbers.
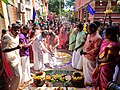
pixel 117 6
pixel 56 6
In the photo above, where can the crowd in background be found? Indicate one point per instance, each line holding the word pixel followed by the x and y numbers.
pixel 95 50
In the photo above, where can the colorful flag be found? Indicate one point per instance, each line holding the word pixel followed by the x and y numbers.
pixel 90 10
pixel 34 14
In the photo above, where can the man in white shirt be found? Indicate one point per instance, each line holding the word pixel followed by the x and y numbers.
pixel 10 47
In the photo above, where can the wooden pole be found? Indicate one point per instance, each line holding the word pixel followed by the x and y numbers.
pixel 105 19
pixel 110 20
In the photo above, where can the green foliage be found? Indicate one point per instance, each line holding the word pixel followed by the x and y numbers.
pixel 116 8
pixel 5 1
pixel 65 13
pixel 69 3
pixel 56 6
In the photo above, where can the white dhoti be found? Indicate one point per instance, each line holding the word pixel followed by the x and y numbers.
pixel 52 61
pixel 26 68
pixel 49 59
pixel 80 62
pixel 88 67
pixel 38 61
pixel 38 53
pixel 73 59
pixel 17 72
pixel 45 58
pixel 76 63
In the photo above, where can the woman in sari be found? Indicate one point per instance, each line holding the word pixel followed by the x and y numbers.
pixel 62 38
pixel 72 37
pixel 108 54
pixel 52 44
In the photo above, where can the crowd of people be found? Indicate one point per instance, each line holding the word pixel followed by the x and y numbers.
pixel 95 51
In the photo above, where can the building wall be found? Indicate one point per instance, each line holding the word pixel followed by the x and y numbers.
pixel 28 10
pixel 77 2
pixel 79 6
pixel 115 16
pixel 99 15
pixel 2 21
pixel 13 13
pixel 9 13
pixel 83 2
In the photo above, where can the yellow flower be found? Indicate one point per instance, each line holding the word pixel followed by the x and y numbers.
pixel 74 77
pixel 108 11
pixel 39 77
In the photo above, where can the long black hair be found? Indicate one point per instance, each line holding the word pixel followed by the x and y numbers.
pixel 112 32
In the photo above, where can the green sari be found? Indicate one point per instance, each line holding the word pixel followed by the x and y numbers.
pixel 72 38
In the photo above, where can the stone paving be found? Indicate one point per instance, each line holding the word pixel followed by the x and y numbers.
pixel 68 67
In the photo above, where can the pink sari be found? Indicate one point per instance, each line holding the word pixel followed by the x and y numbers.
pixel 102 48
pixel 62 38
pixel 104 72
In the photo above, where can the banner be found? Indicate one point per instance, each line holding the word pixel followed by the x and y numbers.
pixel 34 14
pixel 90 10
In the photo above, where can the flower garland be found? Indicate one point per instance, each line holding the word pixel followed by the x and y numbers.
pixel 108 11
pixel 39 76
pixel 77 76
pixel 58 77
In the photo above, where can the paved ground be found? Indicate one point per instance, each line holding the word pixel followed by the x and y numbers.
pixel 67 67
